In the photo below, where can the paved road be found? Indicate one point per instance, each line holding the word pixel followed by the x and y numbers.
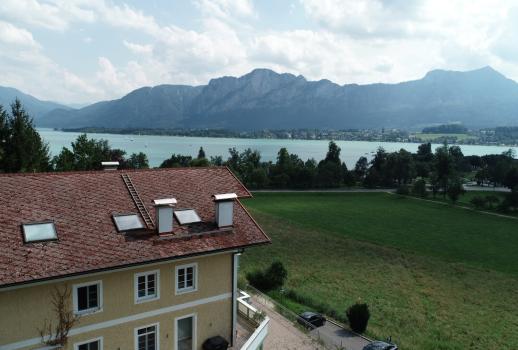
pixel 336 337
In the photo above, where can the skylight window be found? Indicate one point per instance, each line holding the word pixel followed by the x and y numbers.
pixel 127 222
pixel 186 216
pixel 38 232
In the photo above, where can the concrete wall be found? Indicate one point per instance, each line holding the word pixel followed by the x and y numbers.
pixel 24 310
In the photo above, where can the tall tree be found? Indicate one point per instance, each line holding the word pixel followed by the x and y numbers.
pixel 4 134
pixel 88 154
pixel 137 161
pixel 24 150
pixel 201 153
pixel 330 171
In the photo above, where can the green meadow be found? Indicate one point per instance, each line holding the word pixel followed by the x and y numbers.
pixel 435 276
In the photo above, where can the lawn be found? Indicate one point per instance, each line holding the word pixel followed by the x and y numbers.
pixel 435 276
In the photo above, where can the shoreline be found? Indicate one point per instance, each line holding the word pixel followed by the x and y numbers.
pixel 225 134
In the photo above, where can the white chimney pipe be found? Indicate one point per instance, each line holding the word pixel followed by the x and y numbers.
pixel 110 165
pixel 164 214
pixel 225 209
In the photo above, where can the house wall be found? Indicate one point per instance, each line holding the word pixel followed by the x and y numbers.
pixel 24 310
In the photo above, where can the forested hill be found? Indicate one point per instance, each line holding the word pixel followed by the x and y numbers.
pixel 35 107
pixel 263 99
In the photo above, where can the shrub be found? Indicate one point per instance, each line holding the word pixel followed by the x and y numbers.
pixel 491 200
pixel 479 202
pixel 455 189
pixel 403 190
pixel 419 188
pixel 358 315
pixel 272 278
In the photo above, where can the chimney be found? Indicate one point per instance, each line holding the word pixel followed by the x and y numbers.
pixel 225 209
pixel 110 165
pixel 164 214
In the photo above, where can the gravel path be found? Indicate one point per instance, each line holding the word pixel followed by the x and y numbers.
pixel 282 334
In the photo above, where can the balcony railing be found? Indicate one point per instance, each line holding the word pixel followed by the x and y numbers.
pixel 252 319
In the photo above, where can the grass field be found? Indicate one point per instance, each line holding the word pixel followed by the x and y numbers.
pixel 431 137
pixel 435 276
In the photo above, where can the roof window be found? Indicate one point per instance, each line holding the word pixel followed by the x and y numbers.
pixel 39 232
pixel 187 216
pixel 127 222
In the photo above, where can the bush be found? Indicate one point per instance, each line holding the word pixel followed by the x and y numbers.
pixel 419 188
pixel 479 202
pixel 403 190
pixel 455 190
pixel 358 315
pixel 272 278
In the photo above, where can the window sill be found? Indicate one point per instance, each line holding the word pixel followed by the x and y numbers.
pixel 146 299
pixel 186 291
pixel 88 312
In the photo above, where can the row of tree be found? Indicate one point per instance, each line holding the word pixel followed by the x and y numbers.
pixel 23 150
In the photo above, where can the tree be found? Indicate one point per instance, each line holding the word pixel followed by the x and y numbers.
pixel 330 171
pixel 361 167
pixel 419 188
pixel 4 134
pixel 23 149
pixel 358 315
pixel 201 153
pixel 272 278
pixel 88 154
pixel 66 319
pixel 443 167
pixel 137 161
pixel 176 161
pixel 455 189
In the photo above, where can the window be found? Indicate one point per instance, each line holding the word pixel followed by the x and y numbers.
pixel 185 333
pixel 126 222
pixel 146 338
pixel 93 344
pixel 147 286
pixel 39 231
pixel 186 278
pixel 186 216
pixel 88 297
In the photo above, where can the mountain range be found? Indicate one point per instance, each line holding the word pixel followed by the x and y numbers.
pixel 264 99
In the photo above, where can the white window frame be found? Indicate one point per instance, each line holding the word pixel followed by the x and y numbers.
pixel 100 340
pixel 147 298
pixel 157 334
pixel 99 298
pixel 194 330
pixel 184 290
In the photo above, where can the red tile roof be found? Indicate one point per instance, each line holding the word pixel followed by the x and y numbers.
pixel 81 205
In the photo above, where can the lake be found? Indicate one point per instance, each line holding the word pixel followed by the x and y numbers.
pixel 159 148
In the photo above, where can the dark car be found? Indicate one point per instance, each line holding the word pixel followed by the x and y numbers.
pixel 380 345
pixel 311 318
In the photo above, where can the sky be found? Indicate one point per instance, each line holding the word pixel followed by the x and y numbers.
pixel 83 51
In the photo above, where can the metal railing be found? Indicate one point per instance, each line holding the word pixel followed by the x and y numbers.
pixel 312 331
pixel 256 318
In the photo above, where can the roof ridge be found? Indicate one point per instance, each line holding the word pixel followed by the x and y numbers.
pixel 118 171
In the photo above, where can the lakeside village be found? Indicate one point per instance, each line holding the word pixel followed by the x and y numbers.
pixel 449 133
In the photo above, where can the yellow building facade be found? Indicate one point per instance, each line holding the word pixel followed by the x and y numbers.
pixel 159 302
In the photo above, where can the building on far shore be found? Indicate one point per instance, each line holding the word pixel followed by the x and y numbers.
pixel 140 259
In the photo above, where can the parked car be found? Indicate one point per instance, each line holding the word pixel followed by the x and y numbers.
pixel 313 318
pixel 380 345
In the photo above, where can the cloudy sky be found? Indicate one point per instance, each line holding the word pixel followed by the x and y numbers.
pixel 79 51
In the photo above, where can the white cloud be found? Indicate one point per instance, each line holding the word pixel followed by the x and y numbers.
pixel 11 34
pixel 138 48
pixel 346 41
